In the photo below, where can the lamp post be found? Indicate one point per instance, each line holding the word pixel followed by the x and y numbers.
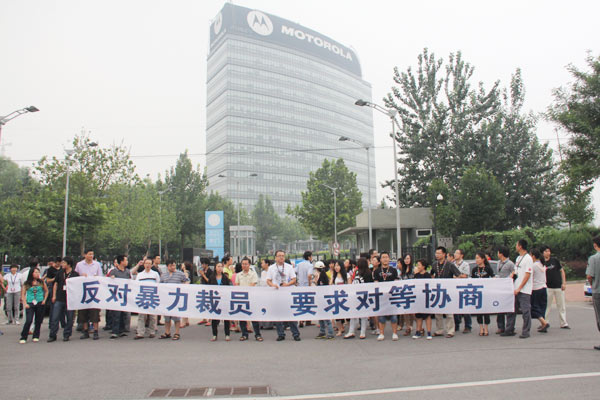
pixel 334 190
pixel 160 193
pixel 13 115
pixel 367 147
pixel 391 113
pixel 437 199
pixel 69 153
pixel 237 235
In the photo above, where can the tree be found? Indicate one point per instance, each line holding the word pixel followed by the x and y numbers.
pixel 266 221
pixel 317 211
pixel 576 109
pixel 186 191
pixel 448 125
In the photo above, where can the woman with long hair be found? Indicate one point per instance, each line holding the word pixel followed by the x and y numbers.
pixel 482 270
pixel 33 295
pixel 406 271
pixel 363 275
pixel 219 278
pixel 339 277
pixel 539 295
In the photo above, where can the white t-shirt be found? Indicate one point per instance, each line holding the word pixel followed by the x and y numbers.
pixel 463 267
pixel 264 274
pixel 148 276
pixel 305 268
pixel 523 265
pixel 539 275
pixel 281 274
pixel 13 283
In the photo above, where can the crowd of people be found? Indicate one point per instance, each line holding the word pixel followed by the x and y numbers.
pixel 538 277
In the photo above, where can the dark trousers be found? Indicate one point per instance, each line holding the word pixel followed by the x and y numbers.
pixel 59 314
pixel 524 303
pixel 109 318
pixel 293 327
pixel 38 311
pixel 483 319
pixel 500 321
pixel 255 326
pixel 467 318
pixel 215 324
pixel 118 320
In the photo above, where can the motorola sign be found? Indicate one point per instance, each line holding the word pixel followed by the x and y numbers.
pixel 260 23
pixel 241 21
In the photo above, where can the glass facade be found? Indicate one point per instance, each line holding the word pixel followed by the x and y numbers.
pixel 276 111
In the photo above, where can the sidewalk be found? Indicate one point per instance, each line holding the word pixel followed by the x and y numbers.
pixel 574 292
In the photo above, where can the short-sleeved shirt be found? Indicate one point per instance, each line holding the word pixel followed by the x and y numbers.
pixel 505 268
pixel 93 269
pixel 61 284
pixel 485 272
pixel 175 277
pixel 51 273
pixel 148 276
pixel 117 273
pixel 464 268
pixel 593 270
pixel 539 275
pixel 13 283
pixel 445 270
pixel 208 272
pixel 281 274
pixel 553 275
pixel 424 275
pixel 385 274
pixel 524 265
pixel 246 279
pixel 305 268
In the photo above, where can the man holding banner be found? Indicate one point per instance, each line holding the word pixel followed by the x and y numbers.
pixel 279 275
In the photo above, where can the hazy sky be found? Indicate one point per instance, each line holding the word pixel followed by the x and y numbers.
pixel 135 71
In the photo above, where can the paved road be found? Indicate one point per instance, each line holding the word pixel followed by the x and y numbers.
pixel 127 369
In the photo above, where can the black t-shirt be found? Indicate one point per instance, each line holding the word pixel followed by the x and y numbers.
pixel 51 273
pixel 445 270
pixel 209 273
pixel 61 282
pixel 486 272
pixel 424 275
pixel 553 275
pixel 384 275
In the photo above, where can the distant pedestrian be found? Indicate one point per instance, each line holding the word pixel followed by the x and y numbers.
pixel 523 284
pixel 593 276
pixel 444 269
pixel 340 277
pixel 321 279
pixel 465 270
pixel 119 318
pixel 33 295
pixel 539 297
pixel 89 267
pixel 482 270
pixel 406 271
pixel 172 276
pixel 505 270
pixel 147 275
pixel 556 284
pixel 60 310
pixel 248 278
pixel 421 273
pixel 282 274
pixel 385 273
pixel 363 275
pixel 12 282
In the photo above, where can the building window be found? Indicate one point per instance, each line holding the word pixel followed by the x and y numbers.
pixel 423 232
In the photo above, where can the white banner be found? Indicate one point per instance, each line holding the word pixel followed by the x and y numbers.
pixel 429 296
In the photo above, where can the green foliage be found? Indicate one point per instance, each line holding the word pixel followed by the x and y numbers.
pixel 266 221
pixel 469 249
pixel 317 211
pixel 448 125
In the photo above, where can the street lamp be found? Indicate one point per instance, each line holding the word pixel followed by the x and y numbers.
pixel 334 190
pixel 68 154
pixel 366 146
pixel 237 235
pixel 391 113
pixel 13 115
pixel 437 200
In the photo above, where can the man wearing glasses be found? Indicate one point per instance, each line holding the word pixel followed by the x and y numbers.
pixel 279 275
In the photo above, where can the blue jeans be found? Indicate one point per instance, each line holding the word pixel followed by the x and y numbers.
pixel 118 320
pixel 468 321
pixel 325 324
pixel 293 327
pixel 59 314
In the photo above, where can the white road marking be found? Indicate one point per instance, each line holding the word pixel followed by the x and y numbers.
pixel 419 388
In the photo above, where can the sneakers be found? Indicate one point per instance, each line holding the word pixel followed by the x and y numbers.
pixel 66 339
pixel 17 322
pixel 122 334
pixel 320 336
pixel 85 335
pixel 297 338
pixel 417 335
pixel 429 336
pixel 380 337
pixel 394 337
pixel 51 339
pixel 96 336
pixel 35 340
pixel 227 338
pixel 114 336
pixel 22 341
pixel 330 337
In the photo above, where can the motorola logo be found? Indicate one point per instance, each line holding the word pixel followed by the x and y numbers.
pixel 218 23
pixel 260 23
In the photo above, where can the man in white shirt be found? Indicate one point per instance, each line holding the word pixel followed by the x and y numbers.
pixel 89 267
pixel 248 277
pixel 523 282
pixel 148 274
pixel 465 269
pixel 12 283
pixel 279 275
